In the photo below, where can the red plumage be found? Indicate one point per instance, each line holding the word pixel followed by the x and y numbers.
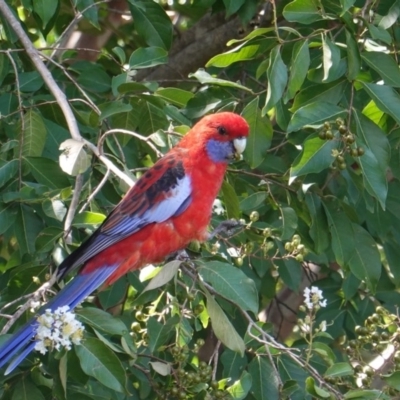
pixel 169 206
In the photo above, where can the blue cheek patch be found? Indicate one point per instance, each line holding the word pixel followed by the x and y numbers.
pixel 219 151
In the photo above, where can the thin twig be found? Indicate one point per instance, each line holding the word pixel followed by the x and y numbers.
pixel 33 297
pixel 72 207
pixel 21 112
pixel 145 139
pixel 43 71
pixel 95 191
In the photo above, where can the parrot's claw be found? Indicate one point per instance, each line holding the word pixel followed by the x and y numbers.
pixel 228 227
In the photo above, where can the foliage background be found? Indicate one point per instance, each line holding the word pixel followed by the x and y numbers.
pixel 318 190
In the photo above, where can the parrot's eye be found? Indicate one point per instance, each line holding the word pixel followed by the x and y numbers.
pixel 221 130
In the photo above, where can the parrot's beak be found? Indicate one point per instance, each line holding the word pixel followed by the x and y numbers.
pixel 239 144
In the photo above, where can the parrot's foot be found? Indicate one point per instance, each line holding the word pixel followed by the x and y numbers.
pixel 228 227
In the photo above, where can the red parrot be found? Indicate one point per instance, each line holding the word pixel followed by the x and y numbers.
pixel 168 207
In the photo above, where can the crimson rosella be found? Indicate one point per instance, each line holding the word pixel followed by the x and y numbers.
pixel 168 207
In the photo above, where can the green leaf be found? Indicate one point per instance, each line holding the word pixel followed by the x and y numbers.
pixel 176 96
pixel 364 394
pixel 314 114
pixel 340 228
pixel 353 56
pixel 240 388
pixel 379 33
pixel 339 369
pixel 46 10
pixel 98 361
pixel 303 11
pixel 259 140
pixel 148 57
pixel 228 58
pixel 315 157
pixel 8 214
pixel 365 262
pixel 384 65
pixel 27 228
pixel 101 320
pixel 231 283
pixel 73 160
pixel 391 17
pixel 167 272
pixel 4 67
pixel 8 171
pixel 95 80
pixel 393 380
pixel 151 118
pixel 277 79
pixel 34 134
pixel 331 58
pixel 330 92
pixel 47 238
pixel 47 172
pixel 315 390
pixel 222 327
pixel 346 4
pixel 120 53
pixel 26 390
pixel 231 200
pixel 289 222
pixel 319 225
pixel 253 201
pixel 152 23
pixel 30 81
pixel 205 78
pixel 54 208
pixel 160 333
pixel 85 218
pixel 300 62
pixel 385 97
pixel 375 161
pixel 265 380
pixel 112 108
pixel 232 6
pixel 89 11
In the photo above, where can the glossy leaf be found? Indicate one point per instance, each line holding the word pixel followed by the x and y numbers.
pixel 277 79
pixel 315 157
pixel 47 172
pixel 226 59
pixel 303 11
pixel 97 360
pixel 331 58
pixel 260 136
pixel 222 327
pixel 205 78
pixel 298 68
pixel 148 57
pixel 167 273
pixel 152 23
pixel 353 56
pixel 231 283
pixel 386 98
pixel 45 10
pixel 34 134
pixel 384 65
pixel 262 388
pixel 314 114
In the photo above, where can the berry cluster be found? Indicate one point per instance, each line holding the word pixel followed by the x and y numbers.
pixel 379 337
pixel 296 248
pixel 340 131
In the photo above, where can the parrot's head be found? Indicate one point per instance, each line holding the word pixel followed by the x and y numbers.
pixel 223 135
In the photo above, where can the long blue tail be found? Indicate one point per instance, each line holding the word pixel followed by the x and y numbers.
pixel 71 295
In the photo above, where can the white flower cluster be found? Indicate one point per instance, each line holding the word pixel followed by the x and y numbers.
pixel 313 297
pixel 57 329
